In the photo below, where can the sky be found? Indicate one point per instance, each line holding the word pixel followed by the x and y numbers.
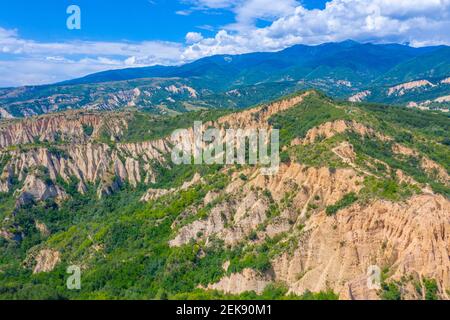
pixel 37 47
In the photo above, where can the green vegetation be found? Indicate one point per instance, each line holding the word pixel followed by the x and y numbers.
pixel 431 289
pixel 391 291
pixel 271 292
pixel 388 189
pixel 145 126
pixel 88 130
pixel 346 201
pixel 123 244
pixel 319 154
pixel 373 148
pixel 313 111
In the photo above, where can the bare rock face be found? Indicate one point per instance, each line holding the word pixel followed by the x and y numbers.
pixel 247 280
pixel 68 127
pixel 436 170
pixel 80 157
pixel 401 89
pixel 210 197
pixel 6 235
pixel 258 117
pixel 42 228
pixel 330 185
pixel 233 221
pixel 89 163
pixel 360 96
pixel 249 214
pixel 330 129
pixel 215 223
pixel 153 194
pixel 46 261
pixel 5 114
pixel 5 179
pixel 35 189
pixel 411 238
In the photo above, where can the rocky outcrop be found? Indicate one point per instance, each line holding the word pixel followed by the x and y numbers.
pixel 429 166
pixel 89 163
pixel 178 90
pixel 435 169
pixel 233 221
pixel 401 89
pixel 201 229
pixel 330 129
pixel 259 116
pixel 97 163
pixel 67 127
pixel 411 238
pixel 36 190
pixel 42 228
pixel 247 280
pixel 360 96
pixel 442 99
pixel 5 114
pixel 154 194
pixel 46 260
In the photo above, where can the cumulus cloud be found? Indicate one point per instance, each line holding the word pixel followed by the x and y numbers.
pixel 419 22
pixel 193 37
pixel 26 71
pixel 32 62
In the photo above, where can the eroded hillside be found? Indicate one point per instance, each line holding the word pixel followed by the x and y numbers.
pixel 359 186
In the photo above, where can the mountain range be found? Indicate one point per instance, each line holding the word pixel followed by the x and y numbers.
pixel 361 72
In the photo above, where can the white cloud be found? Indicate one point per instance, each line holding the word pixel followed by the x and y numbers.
pixel 34 62
pixel 248 11
pixel 183 12
pixel 40 71
pixel 420 22
pixel 193 37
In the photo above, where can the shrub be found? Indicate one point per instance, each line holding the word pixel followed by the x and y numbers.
pixel 346 201
pixel 431 289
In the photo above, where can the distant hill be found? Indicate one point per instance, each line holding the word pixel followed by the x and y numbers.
pixel 341 70
pixel 349 59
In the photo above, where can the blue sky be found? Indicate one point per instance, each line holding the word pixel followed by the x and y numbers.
pixel 36 47
pixel 168 20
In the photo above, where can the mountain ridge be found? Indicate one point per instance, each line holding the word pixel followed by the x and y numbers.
pixel 251 59
pixel 341 70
